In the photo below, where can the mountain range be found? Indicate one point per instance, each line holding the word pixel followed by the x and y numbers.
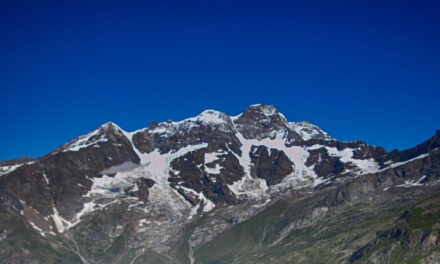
pixel 252 188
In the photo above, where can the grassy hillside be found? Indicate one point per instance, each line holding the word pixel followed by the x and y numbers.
pixel 353 233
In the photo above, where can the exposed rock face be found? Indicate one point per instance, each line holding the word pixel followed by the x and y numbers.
pixel 210 126
pixel 324 164
pixel 271 165
pixel 261 121
pixel 166 191
pixel 206 172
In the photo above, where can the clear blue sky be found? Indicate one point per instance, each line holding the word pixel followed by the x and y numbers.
pixel 361 70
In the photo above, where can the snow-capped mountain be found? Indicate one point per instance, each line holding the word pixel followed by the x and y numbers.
pixel 155 182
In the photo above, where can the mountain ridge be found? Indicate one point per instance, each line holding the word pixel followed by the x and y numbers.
pixel 159 183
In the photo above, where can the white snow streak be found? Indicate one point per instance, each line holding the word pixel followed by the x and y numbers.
pixel 412 183
pixel 208 205
pixel 397 164
pixel 210 157
pixel 10 168
pixel 45 178
pixel 346 155
pixel 257 188
pixel 84 141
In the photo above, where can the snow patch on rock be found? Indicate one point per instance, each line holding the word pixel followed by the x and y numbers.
pixel 210 157
pixel 208 205
pixel 308 131
pixel 216 170
pixel 10 168
pixel 249 186
pixel 85 141
pixel 346 156
pixel 412 183
pixel 397 164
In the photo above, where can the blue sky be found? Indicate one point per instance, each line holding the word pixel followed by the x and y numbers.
pixel 361 70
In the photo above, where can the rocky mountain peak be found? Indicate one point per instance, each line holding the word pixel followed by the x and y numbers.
pixel 263 113
pixel 308 131
pixel 110 129
pixel 107 132
pixel 261 121
pixel 212 117
pixel 206 118
pixel 109 126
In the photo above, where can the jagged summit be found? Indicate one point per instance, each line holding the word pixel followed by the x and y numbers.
pixel 261 112
pixel 109 125
pixel 105 132
pixel 267 110
pixel 257 112
pixel 258 121
pixel 210 117
pixel 308 131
